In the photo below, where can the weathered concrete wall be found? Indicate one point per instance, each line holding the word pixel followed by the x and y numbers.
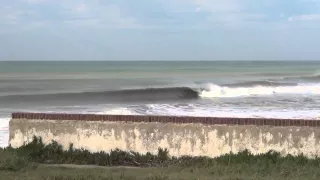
pixel 194 139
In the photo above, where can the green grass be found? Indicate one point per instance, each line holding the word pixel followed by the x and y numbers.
pixel 27 162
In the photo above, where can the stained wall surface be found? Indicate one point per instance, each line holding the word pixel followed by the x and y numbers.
pixel 196 136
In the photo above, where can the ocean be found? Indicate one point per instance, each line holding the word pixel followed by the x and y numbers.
pixel 278 89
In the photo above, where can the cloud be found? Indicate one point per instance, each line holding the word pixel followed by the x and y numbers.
pixel 61 13
pixel 9 15
pixel 106 17
pixel 114 16
pixel 173 15
pixel 305 17
pixel 35 1
pixel 80 8
pixel 216 6
pixel 97 15
pixel 311 13
pixel 228 11
pixel 101 16
pixel 216 12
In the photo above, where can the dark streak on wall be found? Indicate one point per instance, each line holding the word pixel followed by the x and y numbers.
pixel 168 119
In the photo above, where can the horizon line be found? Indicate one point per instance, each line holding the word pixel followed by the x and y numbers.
pixel 156 60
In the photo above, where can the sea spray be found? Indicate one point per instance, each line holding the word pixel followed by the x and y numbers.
pixel 4 132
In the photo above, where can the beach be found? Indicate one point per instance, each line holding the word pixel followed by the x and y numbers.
pixel 288 89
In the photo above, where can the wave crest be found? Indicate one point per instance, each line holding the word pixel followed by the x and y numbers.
pixel 170 93
pixel 215 91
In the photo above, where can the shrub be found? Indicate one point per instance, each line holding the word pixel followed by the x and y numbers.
pixel 10 161
pixel 53 153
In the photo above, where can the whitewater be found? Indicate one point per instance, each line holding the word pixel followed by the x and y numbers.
pixel 221 91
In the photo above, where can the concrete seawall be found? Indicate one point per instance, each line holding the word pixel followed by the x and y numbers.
pixel 196 136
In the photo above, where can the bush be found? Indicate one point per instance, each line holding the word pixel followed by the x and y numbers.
pixel 74 177
pixel 53 153
pixel 107 177
pixel 10 161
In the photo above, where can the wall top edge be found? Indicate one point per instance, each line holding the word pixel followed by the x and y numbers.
pixel 167 119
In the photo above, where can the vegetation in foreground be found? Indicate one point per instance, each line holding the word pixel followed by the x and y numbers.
pixel 27 162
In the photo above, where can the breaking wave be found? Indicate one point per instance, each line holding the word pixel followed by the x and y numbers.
pixel 195 110
pixel 213 90
pixel 130 95
pixel 313 78
pixel 260 83
pixel 255 88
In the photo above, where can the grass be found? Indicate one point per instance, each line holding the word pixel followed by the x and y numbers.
pixel 27 162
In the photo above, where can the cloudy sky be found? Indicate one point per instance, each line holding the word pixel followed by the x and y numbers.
pixel 159 29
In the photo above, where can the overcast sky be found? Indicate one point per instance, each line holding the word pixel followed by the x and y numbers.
pixel 159 29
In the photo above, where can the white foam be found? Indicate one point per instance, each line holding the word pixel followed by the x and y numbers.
pixel 252 112
pixel 119 111
pixel 4 132
pixel 220 91
pixel 194 110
